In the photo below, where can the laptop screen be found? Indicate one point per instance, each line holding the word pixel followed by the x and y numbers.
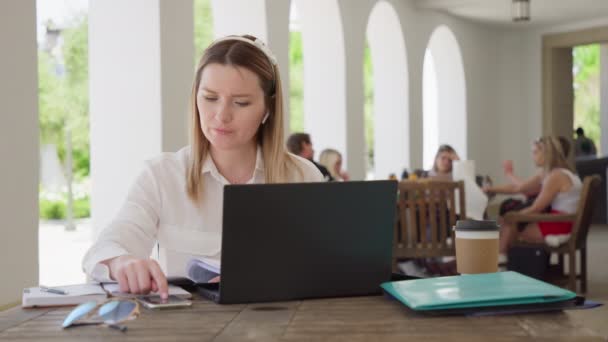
pixel 306 240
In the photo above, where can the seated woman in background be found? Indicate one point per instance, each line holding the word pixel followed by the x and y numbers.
pixel 512 204
pixel 332 160
pixel 509 171
pixel 557 186
pixel 440 266
pixel 442 166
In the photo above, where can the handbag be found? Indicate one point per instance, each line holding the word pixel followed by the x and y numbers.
pixel 531 261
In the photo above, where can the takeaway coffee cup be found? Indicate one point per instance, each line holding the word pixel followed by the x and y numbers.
pixel 476 246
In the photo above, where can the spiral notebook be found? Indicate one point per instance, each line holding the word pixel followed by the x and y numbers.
pixel 502 289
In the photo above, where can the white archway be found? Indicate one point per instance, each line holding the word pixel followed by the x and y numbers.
pixel 444 96
pixel 391 91
pixel 324 74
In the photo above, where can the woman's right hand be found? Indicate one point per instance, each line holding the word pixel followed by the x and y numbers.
pixel 138 276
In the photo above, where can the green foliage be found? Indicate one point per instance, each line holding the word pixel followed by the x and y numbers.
pixel 50 95
pixel 586 62
pixel 296 85
pixel 51 210
pixel 586 74
pixel 82 207
pixel 203 27
pixel 56 209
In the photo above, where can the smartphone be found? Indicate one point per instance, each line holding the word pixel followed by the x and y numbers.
pixel 155 302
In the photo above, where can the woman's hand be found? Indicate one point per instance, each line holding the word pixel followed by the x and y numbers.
pixel 454 156
pixel 488 190
pixel 345 176
pixel 215 280
pixel 138 276
pixel 507 167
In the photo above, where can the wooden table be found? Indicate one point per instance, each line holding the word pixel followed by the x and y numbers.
pixel 338 319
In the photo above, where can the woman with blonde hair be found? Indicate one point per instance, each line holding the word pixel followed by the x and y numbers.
pixel 559 192
pixel 236 137
pixel 332 160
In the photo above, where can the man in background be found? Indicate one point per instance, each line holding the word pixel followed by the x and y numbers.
pixel 583 146
pixel 301 145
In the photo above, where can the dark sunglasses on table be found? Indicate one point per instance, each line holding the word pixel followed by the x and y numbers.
pixel 110 313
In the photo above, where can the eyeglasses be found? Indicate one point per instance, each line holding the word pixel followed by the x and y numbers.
pixel 110 313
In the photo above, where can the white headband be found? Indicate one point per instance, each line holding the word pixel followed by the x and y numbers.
pixel 257 43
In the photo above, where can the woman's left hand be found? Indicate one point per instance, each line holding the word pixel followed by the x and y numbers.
pixel 345 176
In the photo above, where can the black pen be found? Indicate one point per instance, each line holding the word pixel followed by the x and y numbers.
pixel 52 290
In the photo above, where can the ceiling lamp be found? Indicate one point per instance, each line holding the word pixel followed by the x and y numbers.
pixel 521 10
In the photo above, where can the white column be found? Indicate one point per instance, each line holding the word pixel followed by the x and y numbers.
pixel 324 74
pixel 354 21
pixel 239 17
pixel 140 74
pixel 20 148
pixel 277 16
pixel 603 148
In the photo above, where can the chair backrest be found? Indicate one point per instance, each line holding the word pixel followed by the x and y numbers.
pixel 584 212
pixel 427 212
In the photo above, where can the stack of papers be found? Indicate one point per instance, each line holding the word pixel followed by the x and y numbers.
pixel 202 270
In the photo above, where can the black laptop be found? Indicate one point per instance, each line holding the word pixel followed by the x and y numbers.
pixel 308 240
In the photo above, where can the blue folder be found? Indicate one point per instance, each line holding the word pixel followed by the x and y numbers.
pixel 475 291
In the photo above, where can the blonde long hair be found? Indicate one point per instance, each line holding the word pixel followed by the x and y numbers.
pixel 553 153
pixel 328 158
pixel 235 52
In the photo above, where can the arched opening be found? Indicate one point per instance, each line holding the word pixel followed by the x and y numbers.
pixel 324 99
pixel 444 96
pixel 391 94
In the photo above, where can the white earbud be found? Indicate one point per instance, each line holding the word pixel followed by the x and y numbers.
pixel 265 118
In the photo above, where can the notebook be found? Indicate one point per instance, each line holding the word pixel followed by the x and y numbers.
pixel 82 293
pixel 76 294
pixel 475 291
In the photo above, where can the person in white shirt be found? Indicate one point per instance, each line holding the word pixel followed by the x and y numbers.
pixel 236 137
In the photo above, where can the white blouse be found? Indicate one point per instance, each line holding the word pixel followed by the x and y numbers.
pixel 158 210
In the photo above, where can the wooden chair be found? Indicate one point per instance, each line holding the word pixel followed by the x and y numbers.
pixel 578 238
pixel 425 216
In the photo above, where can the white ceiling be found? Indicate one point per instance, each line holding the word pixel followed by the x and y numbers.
pixel 498 12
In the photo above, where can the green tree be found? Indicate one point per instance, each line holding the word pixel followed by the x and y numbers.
pixel 296 82
pixel 203 27
pixel 64 97
pixel 76 53
pixel 586 75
